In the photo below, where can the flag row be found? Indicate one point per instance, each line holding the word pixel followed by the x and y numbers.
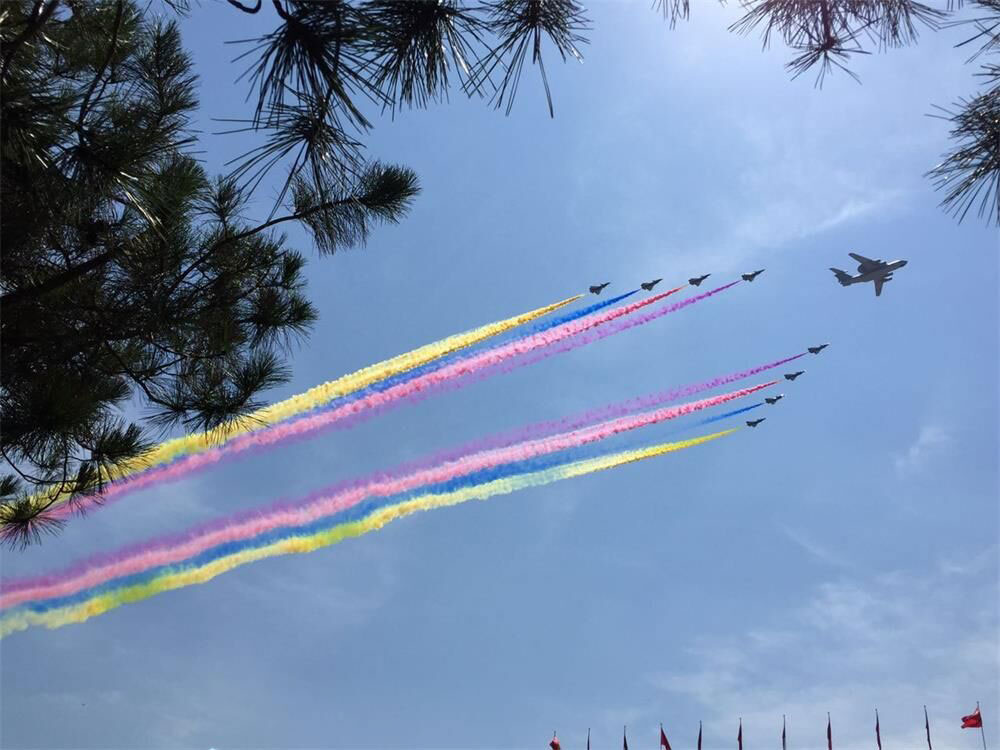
pixel 972 721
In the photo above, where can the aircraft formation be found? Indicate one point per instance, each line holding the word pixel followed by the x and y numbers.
pixel 869 275
pixel 875 270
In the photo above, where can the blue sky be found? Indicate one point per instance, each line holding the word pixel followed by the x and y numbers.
pixel 843 556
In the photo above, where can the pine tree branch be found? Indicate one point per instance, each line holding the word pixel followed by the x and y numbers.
pixel 36 291
pixel 39 16
pixel 85 104
pixel 238 5
pixel 298 216
pixel 281 11
pixel 133 376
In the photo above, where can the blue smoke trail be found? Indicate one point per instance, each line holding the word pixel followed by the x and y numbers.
pixel 441 362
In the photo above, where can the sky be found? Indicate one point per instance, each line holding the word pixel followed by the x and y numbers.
pixel 840 557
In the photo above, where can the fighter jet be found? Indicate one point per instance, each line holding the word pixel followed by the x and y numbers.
pixel 755 422
pixel 696 281
pixel 817 349
pixel 793 375
pixel 598 288
pixel 648 285
pixel 772 400
pixel 878 271
pixel 752 276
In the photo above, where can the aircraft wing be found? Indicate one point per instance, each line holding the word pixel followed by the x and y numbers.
pixel 878 285
pixel 867 264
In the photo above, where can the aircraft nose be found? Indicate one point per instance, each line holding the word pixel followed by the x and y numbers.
pixel 903 263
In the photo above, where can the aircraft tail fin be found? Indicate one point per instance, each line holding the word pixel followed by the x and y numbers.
pixel 842 276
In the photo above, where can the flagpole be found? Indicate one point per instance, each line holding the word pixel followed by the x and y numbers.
pixel 927 726
pixel 981 730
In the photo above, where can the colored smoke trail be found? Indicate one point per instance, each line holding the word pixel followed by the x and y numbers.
pixel 544 461
pixel 296 541
pixel 317 396
pixel 450 375
pixel 598 333
pixel 540 429
pixel 524 359
pixel 563 344
pixel 440 362
pixel 576 314
pixel 331 500
pixel 728 414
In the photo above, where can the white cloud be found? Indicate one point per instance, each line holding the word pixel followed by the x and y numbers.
pixel 896 641
pixel 336 600
pixel 969 564
pixel 931 440
pixel 555 510
pixel 762 181
pixel 814 548
pixel 782 215
pixel 793 186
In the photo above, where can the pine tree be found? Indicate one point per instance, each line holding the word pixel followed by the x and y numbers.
pixel 970 172
pixel 131 277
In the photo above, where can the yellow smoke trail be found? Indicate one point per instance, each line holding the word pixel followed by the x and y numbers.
pixel 297 544
pixel 314 397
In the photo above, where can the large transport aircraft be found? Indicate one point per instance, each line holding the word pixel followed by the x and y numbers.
pixel 878 271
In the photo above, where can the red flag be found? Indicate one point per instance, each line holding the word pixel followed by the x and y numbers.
pixel 555 742
pixel 973 720
pixel 739 737
pixel 878 733
pixel 829 734
pixel 664 742
pixel 699 735
pixel 927 726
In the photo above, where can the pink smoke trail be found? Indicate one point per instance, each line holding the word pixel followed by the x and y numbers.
pixel 454 372
pixel 530 357
pixel 325 502
pixel 541 429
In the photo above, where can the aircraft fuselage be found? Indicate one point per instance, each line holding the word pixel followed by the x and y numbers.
pixel 878 273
